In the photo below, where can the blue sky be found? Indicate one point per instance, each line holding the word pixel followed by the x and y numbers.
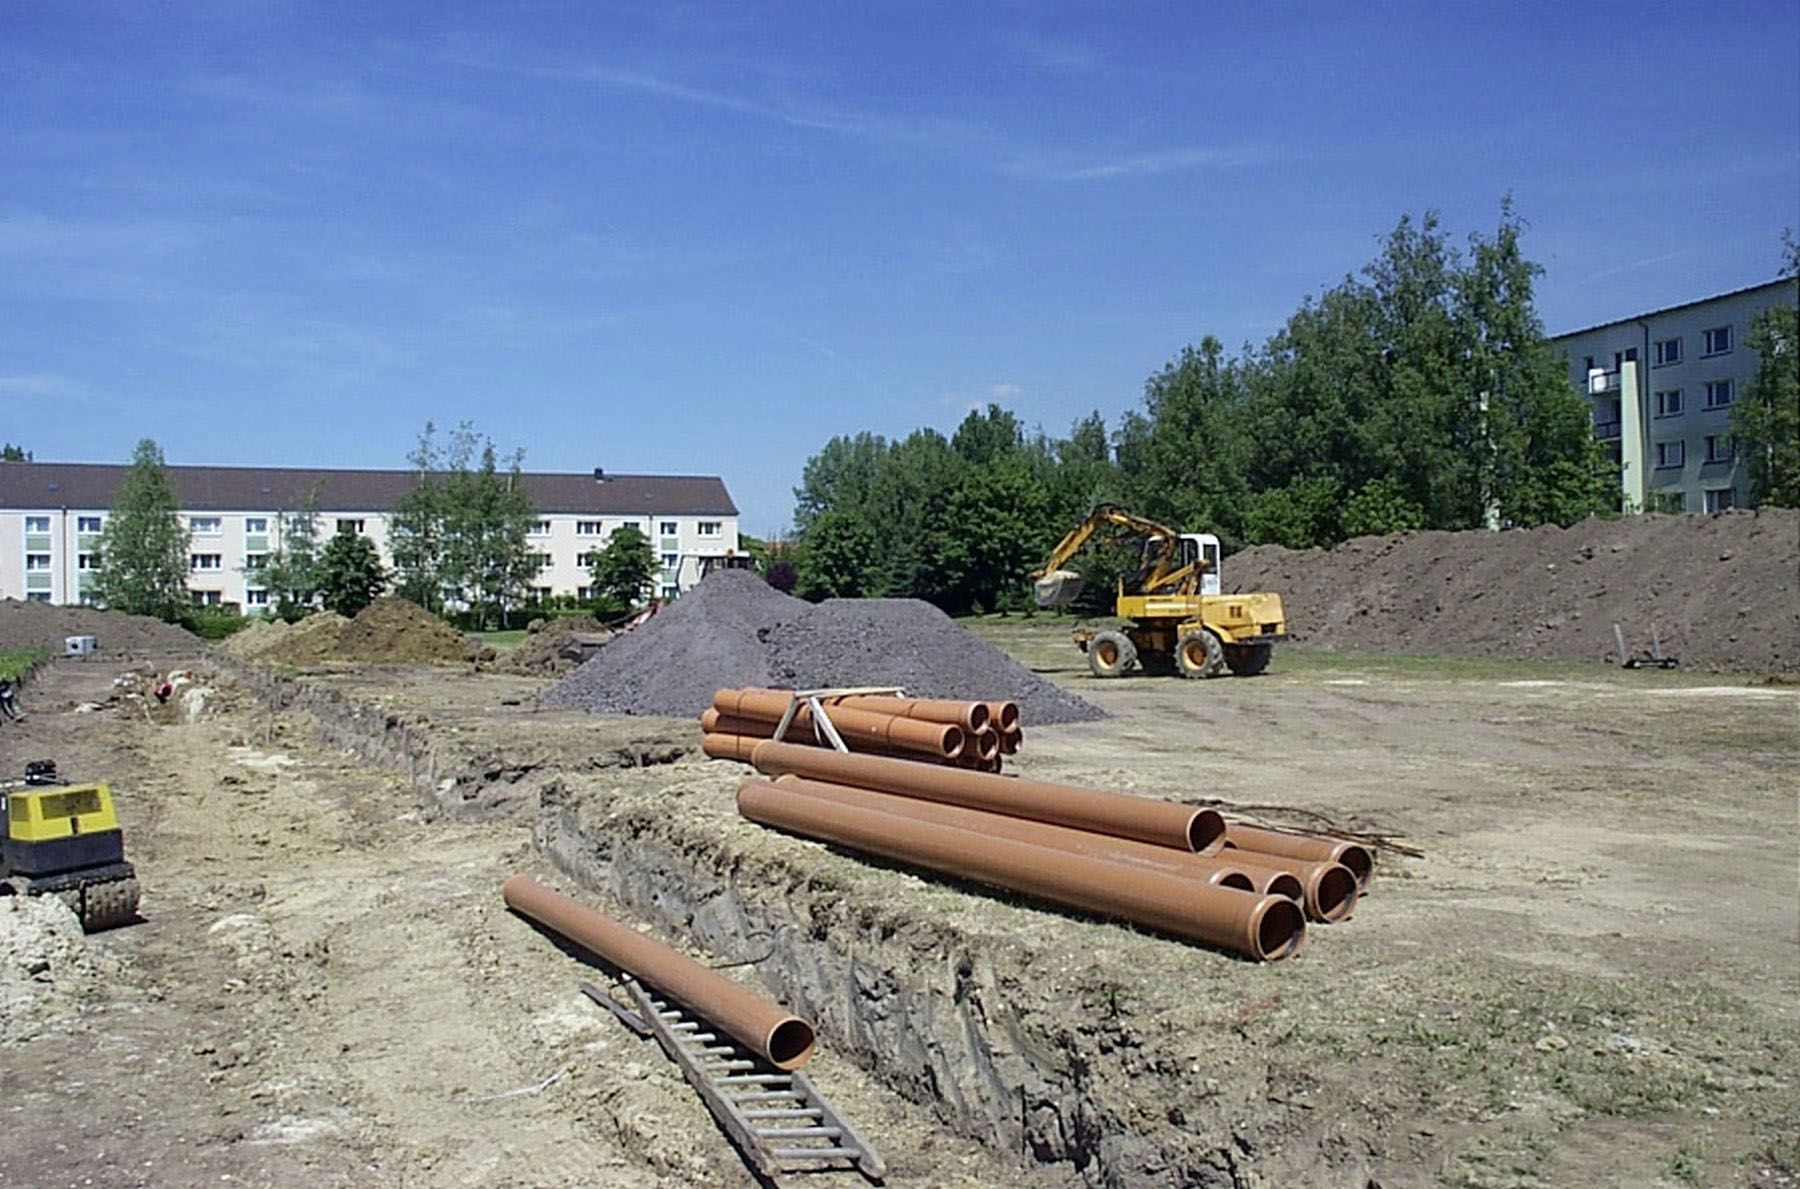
pixel 699 238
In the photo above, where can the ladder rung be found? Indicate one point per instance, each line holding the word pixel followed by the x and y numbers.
pixel 713 1050
pixel 814 1153
pixel 800 1132
pixel 799 1112
pixel 764 1096
pixel 766 1079
pixel 715 1067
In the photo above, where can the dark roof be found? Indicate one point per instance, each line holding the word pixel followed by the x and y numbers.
pixel 1569 334
pixel 280 489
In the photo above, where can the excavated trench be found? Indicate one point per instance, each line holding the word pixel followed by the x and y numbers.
pixel 1038 1034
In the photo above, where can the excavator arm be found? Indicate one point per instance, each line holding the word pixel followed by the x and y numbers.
pixel 1162 573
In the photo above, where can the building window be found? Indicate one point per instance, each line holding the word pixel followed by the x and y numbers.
pixel 587 528
pixel 1717 341
pixel 1718 394
pixel 204 526
pixel 350 526
pixel 541 529
pixel 87 524
pixel 1668 351
pixel 586 560
pixel 543 561
pixel 670 591
pixel 256 598
pixel 255 563
pixel 1719 447
pixel 1671 454
pixel 37 524
pixel 670 528
pixel 37 596
pixel 1718 499
pixel 584 593
pixel 1668 404
pixel 540 594
pixel 207 598
pixel 85 561
pixel 205 561
pixel 256 525
pixel 670 560
pixel 710 528
pixel 37 561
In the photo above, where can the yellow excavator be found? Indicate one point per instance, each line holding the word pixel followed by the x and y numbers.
pixel 1180 620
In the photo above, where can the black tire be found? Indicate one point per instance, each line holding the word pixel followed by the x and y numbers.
pixel 1111 654
pixel 1199 654
pixel 1248 660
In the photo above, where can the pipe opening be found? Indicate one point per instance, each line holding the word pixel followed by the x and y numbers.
pixel 1286 883
pixel 1008 717
pixel 1238 880
pixel 1336 893
pixel 978 717
pixel 1360 862
pixel 1279 929
pixel 1206 832
pixel 790 1043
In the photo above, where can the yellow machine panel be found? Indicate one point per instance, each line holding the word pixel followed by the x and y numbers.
pixel 59 811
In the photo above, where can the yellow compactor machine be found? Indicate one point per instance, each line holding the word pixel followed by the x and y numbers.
pixel 1180 621
pixel 64 840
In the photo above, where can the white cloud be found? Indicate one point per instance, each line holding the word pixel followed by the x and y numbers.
pixel 39 384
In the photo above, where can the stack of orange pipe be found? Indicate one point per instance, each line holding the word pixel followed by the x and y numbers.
pixel 977 734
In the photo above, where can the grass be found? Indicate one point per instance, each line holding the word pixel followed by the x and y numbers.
pixel 502 640
pixel 13 664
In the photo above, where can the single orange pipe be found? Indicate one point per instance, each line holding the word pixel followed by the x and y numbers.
pixel 1010 740
pixel 1005 716
pixel 876 731
pixel 721 746
pixel 1301 846
pixel 786 1040
pixel 1206 868
pixel 1161 823
pixel 984 744
pixel 1263 927
pixel 1329 890
pixel 970 716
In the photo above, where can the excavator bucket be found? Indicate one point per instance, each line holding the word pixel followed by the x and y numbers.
pixel 1059 588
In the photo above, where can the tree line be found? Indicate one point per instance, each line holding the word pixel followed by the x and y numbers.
pixel 1421 393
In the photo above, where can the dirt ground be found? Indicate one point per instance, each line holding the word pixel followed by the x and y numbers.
pixel 1592 975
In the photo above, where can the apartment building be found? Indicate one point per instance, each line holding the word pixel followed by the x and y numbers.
pixel 1662 385
pixel 52 513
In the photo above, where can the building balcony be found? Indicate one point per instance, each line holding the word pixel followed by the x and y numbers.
pixel 1599 381
pixel 1606 430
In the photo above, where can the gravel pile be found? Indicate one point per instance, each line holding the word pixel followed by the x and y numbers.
pixel 28 626
pixel 734 629
pixel 46 967
pixel 1723 591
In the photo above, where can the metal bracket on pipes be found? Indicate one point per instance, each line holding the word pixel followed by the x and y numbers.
pixel 823 730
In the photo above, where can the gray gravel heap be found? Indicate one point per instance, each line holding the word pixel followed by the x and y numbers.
pixel 734 629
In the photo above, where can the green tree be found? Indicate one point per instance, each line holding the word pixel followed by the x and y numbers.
pixel 622 571
pixel 350 572
pixel 416 528
pixel 12 453
pixel 840 476
pixel 292 572
pixel 1766 419
pixel 144 546
pixel 837 559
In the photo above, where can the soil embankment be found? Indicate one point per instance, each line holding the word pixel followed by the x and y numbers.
pixel 1723 592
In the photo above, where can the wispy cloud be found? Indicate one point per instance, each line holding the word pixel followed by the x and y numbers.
pixel 1053 53
pixel 1068 168
pixel 40 384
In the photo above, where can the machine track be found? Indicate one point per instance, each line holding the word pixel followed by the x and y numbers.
pixel 101 904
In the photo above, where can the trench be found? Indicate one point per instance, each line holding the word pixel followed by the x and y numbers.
pixel 931 1011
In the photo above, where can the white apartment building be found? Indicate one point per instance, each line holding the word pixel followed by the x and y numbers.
pixel 1662 385
pixel 51 515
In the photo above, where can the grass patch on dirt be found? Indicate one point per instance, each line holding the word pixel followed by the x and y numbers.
pixel 12 664
pixel 501 641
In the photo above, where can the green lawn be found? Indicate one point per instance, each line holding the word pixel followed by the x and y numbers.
pixel 14 663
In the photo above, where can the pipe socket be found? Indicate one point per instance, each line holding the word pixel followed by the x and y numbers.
pixel 1299 846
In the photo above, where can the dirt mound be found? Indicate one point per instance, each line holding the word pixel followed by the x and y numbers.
pixel 734 629
pixel 393 631
pixel 541 651
pixel 1723 591
pixel 27 626
pixel 45 966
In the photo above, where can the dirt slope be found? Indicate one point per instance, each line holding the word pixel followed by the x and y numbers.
pixel 1723 591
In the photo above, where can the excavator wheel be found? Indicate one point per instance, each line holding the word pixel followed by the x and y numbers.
pixel 1199 654
pixel 1247 660
pixel 1111 654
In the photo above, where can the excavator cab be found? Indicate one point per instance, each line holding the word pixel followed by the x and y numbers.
pixel 1060 588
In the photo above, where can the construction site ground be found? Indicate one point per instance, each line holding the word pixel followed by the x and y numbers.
pixel 1591 975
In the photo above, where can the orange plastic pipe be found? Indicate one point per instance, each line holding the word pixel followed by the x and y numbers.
pixel 1005 716
pixel 1264 927
pixel 984 744
pixel 721 746
pixel 1205 868
pixel 786 1040
pixel 1302 846
pixel 1162 823
pixel 874 730
pixel 1329 890
pixel 970 716
pixel 1010 740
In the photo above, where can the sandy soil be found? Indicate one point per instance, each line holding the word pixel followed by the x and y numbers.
pixel 1590 976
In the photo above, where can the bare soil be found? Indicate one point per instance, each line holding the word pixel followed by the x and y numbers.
pixel 1590 976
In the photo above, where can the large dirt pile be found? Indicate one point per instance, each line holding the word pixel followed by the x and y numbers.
pixel 46 967
pixel 1723 591
pixel 27 626
pixel 541 651
pixel 389 631
pixel 734 629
